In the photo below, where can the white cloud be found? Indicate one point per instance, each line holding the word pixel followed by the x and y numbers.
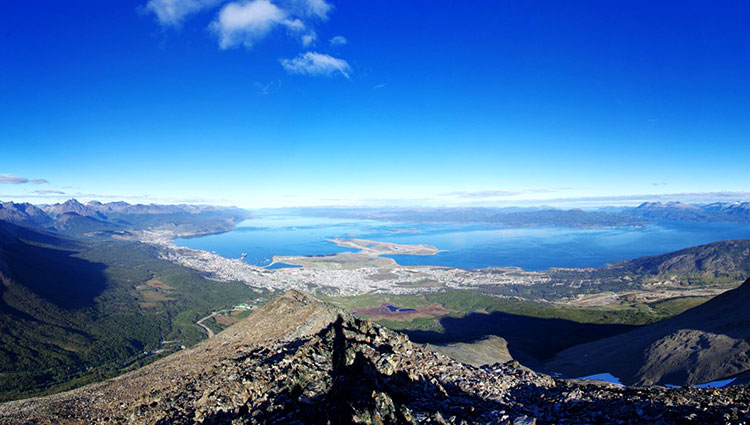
pixel 49 192
pixel 313 63
pixel 308 8
pixel 318 8
pixel 500 193
pixel 174 12
pixel 339 40
pixel 245 23
pixel 295 25
pixel 309 38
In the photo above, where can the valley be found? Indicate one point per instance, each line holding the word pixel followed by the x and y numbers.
pixel 79 310
pixel 149 297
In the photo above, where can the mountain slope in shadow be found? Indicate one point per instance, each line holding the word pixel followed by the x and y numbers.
pixel 530 339
pixel 46 265
pixel 704 344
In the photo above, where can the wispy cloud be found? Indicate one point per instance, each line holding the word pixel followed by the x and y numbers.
pixel 85 197
pixel 691 197
pixel 379 86
pixel 339 40
pixel 522 201
pixel 313 8
pixel 173 13
pixel 523 198
pixel 10 179
pixel 49 192
pixel 313 63
pixel 309 39
pixel 266 88
pixel 487 194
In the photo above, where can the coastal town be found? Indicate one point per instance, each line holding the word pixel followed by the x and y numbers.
pixel 347 273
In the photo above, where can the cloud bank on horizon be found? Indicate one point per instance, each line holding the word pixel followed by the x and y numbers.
pixel 531 197
pixel 11 179
pixel 246 23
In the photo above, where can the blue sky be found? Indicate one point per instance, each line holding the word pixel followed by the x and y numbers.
pixel 316 102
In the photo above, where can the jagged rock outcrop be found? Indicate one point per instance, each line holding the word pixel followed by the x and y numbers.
pixel 299 360
pixel 72 206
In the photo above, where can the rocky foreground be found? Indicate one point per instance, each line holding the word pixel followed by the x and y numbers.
pixel 299 360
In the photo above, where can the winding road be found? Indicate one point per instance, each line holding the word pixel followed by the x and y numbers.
pixel 208 330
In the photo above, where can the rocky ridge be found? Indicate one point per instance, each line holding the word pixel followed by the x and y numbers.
pixel 73 218
pixel 738 212
pixel 299 360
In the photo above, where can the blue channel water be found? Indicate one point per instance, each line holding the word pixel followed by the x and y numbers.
pixel 468 246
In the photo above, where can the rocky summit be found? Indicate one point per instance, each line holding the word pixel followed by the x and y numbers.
pixel 298 360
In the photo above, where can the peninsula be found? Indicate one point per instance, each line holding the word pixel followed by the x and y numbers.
pixel 369 254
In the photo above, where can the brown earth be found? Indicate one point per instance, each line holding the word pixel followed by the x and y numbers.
pixel 153 291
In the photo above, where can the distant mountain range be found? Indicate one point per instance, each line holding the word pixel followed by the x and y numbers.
pixel 96 218
pixel 723 258
pixel 735 212
pixel 499 216
pixel 104 219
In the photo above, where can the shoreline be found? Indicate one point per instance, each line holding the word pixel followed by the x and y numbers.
pixel 360 280
pixel 367 271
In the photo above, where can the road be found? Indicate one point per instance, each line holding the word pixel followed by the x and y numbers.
pixel 208 330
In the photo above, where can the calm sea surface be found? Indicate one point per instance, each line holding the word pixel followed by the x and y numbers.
pixel 467 246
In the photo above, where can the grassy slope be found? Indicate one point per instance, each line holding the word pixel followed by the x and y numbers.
pixel 534 330
pixel 465 302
